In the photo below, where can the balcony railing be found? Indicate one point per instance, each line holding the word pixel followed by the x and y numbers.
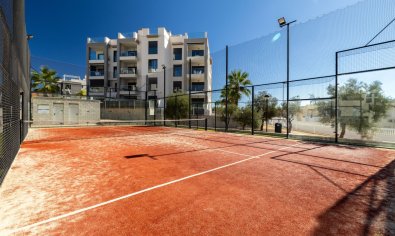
pixel 128 71
pixel 96 73
pixel 132 35
pixel 197 71
pixel 96 90
pixel 129 54
pixel 197 88
pixel 153 87
pixel 128 88
pixel 97 40
pixel 197 35
pixel 152 70
pixel 96 58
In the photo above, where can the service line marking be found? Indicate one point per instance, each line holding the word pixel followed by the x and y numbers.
pixel 145 190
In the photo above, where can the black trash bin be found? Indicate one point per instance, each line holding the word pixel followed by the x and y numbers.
pixel 278 127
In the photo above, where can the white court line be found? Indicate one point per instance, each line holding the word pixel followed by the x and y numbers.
pixel 143 191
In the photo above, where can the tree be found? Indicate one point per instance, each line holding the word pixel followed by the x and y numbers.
pixel 293 110
pixel 81 93
pixel 265 106
pixel 45 81
pixel 361 106
pixel 243 117
pixel 238 83
pixel 177 106
pixel 237 87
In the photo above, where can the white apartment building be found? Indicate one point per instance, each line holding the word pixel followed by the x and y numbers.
pixel 127 67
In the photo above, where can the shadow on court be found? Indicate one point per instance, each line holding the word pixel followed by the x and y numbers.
pixel 371 205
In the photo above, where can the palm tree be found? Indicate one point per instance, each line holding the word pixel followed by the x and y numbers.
pixel 238 82
pixel 45 81
pixel 237 87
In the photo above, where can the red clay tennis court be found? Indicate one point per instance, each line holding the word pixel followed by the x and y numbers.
pixel 122 180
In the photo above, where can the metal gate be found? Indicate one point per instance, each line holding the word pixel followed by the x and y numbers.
pixel 74 112
pixel 58 113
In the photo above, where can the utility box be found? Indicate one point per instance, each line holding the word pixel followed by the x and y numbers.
pixel 278 127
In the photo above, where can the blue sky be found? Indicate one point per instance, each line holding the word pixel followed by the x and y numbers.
pixel 61 27
pixel 257 44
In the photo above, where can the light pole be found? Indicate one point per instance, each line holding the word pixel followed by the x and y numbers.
pixel 267 108
pixel 164 94
pixel 283 23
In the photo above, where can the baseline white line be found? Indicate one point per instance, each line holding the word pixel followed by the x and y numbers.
pixel 142 191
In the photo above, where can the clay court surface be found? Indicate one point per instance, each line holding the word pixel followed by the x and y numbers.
pixel 167 181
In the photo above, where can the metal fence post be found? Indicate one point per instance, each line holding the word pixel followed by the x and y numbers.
pixel 205 124
pixel 226 88
pixel 215 116
pixel 252 110
pixel 287 80
pixel 176 112
pixel 190 89
pixel 146 99
pixel 336 101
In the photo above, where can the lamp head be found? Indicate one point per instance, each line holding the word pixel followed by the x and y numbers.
pixel 282 22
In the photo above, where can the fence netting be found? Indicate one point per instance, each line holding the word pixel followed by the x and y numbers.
pixel 14 85
pixel 329 93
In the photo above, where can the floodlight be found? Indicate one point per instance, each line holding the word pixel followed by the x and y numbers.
pixel 282 22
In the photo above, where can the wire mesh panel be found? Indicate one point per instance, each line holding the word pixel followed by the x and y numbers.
pixel 14 85
pixel 366 95
pixel 269 108
pixel 311 109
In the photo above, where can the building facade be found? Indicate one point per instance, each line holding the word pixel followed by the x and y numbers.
pixel 127 67
pixel 71 85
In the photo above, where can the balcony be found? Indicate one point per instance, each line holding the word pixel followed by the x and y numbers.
pixel 196 55
pixel 197 35
pixel 197 87
pixel 153 87
pixel 128 90
pixel 128 56
pixel 152 70
pixel 96 60
pixel 96 90
pixel 128 73
pixel 198 74
pixel 96 75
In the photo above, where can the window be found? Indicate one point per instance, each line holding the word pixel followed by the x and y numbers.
pixel 153 47
pixel 197 86
pixel 198 70
pixel 115 72
pixel 177 54
pixel 43 109
pixel 177 70
pixel 196 53
pixel 97 83
pixel 100 56
pixel 152 65
pixel 115 56
pixel 177 86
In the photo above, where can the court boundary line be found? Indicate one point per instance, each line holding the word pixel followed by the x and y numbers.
pixel 85 209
